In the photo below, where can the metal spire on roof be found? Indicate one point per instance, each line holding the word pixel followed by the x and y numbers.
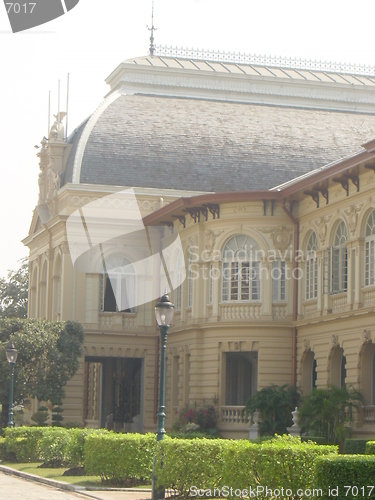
pixel 152 29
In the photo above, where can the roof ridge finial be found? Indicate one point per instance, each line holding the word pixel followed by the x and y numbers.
pixel 152 29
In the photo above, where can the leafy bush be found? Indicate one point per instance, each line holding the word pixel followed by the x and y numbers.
pixel 24 442
pixel 370 448
pixel 204 416
pixel 75 451
pixel 115 457
pixel 355 446
pixel 350 474
pixel 190 462
pixel 314 439
pixel 54 446
pixel 280 462
pixel 192 435
pixel 40 417
pixel 275 404
pixel 2 448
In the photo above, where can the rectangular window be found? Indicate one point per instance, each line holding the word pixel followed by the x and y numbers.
pixel 241 377
pixel 370 263
pixel 210 285
pixel 311 277
pixel 278 281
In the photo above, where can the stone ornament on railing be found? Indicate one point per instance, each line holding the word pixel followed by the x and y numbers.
pixel 278 62
pixel 295 430
pixel 254 429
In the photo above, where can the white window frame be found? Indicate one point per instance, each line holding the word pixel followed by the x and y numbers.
pixel 311 282
pixel 370 250
pixel 279 281
pixel 241 279
pixel 339 260
pixel 116 265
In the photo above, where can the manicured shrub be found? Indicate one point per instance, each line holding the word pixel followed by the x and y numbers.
pixel 314 439
pixel 355 446
pixel 115 457
pixel 345 476
pixel 54 446
pixel 191 435
pixel 208 464
pixel 41 416
pixel 370 448
pixel 75 450
pixel 287 462
pixel 24 442
pixel 190 462
pixel 2 448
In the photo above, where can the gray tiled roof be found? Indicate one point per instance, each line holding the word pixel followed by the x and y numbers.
pixel 192 144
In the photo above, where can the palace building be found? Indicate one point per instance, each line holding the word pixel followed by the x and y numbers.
pixel 265 170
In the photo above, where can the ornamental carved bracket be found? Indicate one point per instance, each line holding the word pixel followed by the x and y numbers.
pixel 321 224
pixel 352 213
pixel 181 218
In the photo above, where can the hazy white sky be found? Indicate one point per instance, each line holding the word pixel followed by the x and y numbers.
pixel 94 37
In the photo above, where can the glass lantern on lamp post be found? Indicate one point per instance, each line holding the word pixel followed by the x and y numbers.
pixel 12 358
pixel 164 311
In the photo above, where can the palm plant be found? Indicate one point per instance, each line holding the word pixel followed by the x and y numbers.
pixel 325 412
pixel 275 404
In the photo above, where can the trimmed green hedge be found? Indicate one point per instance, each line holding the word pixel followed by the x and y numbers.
pixel 355 446
pixel 207 464
pixel 50 444
pixel 314 439
pixel 346 476
pixel 115 457
pixel 370 448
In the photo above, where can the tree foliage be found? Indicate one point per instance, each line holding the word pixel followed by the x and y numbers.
pixel 325 412
pixel 14 292
pixel 48 356
pixel 275 404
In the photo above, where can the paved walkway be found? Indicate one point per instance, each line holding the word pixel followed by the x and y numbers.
pixel 19 485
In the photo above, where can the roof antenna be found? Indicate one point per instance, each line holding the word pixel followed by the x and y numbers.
pixel 152 29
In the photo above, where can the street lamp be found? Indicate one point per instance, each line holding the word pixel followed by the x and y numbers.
pixel 164 311
pixel 12 358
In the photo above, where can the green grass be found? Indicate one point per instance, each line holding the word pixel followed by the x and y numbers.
pixel 56 474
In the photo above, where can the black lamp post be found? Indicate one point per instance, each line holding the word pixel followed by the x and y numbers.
pixel 164 311
pixel 12 358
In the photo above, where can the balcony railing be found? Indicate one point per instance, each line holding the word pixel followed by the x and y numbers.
pixel 278 311
pixel 234 415
pixel 310 308
pixel 240 311
pixel 369 297
pixel 117 320
pixel 339 302
pixel 369 415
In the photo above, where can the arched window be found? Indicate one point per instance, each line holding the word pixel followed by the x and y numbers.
pixel 43 292
pixel 178 291
pixel 370 250
pixel 33 293
pixel 190 280
pixel 241 269
pixel 339 260
pixel 57 282
pixel 118 287
pixel 309 372
pixel 343 371
pixel 312 268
